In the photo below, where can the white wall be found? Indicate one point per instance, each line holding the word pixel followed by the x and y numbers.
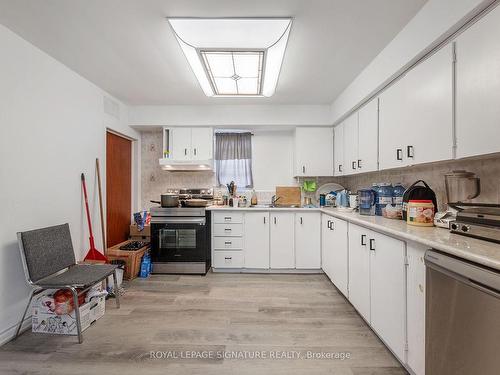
pixel 230 115
pixel 52 129
pixel 272 159
pixel 436 20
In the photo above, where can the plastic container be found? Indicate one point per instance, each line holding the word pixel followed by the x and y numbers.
pixel 397 193
pixel 395 209
pixel 384 197
pixel 366 199
pixel 420 213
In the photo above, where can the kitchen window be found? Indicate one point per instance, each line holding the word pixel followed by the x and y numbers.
pixel 233 159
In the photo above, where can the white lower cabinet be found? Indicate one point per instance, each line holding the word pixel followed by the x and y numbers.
pixel 415 291
pixel 256 229
pixel 388 291
pixel 307 240
pixel 228 259
pixel 334 250
pixel 282 240
pixel 359 270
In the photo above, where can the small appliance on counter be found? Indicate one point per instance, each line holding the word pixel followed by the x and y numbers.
pixel 479 220
pixel 461 186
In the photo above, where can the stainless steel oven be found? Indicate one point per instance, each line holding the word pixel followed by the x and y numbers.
pixel 180 240
pixel 462 317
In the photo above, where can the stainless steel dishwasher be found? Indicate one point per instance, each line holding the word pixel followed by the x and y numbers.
pixel 462 317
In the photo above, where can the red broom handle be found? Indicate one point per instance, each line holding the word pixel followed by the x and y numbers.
pixel 91 238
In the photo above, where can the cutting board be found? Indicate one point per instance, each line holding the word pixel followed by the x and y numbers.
pixel 289 195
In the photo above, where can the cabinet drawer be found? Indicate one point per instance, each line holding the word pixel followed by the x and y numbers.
pixel 228 259
pixel 228 230
pixel 221 243
pixel 228 217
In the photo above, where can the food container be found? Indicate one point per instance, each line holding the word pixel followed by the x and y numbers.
pixel 420 213
pixel 393 211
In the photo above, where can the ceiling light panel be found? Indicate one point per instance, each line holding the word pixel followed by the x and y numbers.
pixel 234 56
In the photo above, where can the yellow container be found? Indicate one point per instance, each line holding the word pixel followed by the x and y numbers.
pixel 420 213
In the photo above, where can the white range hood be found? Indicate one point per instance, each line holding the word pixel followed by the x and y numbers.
pixel 177 166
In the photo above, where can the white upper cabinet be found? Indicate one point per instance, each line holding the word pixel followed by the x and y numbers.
pixel 368 137
pixel 308 240
pixel 189 144
pixel 313 151
pixel 388 291
pixel 180 139
pixel 338 150
pixel 478 87
pixel 416 114
pixel 282 240
pixel 256 242
pixel 351 144
pixel 201 143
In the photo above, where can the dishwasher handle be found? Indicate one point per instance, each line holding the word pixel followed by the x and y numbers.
pixel 480 277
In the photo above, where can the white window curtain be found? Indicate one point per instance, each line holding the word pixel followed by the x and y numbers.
pixel 233 159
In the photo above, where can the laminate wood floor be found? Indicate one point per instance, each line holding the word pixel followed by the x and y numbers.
pixel 231 315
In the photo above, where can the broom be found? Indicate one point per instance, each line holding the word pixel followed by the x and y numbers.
pixel 93 254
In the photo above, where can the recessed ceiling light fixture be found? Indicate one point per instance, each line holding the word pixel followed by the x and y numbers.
pixel 234 56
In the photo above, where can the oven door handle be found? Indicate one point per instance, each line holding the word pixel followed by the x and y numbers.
pixel 178 220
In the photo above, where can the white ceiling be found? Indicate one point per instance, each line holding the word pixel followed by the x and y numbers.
pixel 126 47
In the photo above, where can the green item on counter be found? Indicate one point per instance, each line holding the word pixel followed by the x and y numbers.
pixel 309 186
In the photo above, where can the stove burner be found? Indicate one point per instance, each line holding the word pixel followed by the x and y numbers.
pixel 134 245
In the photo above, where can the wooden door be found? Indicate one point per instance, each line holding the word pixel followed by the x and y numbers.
pixel 257 240
pixel 118 188
pixel 282 240
pixel 307 240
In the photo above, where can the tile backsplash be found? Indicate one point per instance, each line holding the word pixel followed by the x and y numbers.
pixel 487 169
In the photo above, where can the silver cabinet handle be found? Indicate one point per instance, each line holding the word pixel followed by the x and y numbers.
pixel 301 220
pixel 228 258
pixel 353 165
pixel 185 151
pixel 303 169
pixel 328 224
pixel 227 218
pixel 275 220
pixel 332 225
pixel 372 244
pixel 194 150
pixel 227 243
pixel 409 151
pixel 340 167
pixel 227 229
pixel 264 219
pixel 363 239
pixel 359 163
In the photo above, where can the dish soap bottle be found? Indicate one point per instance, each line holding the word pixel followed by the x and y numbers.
pixel 253 201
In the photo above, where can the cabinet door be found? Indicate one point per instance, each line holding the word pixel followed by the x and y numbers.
pixel 338 150
pixel 181 143
pixel 307 240
pixel 256 243
pixel 282 240
pixel 339 250
pixel 387 290
pixel 416 307
pixel 368 137
pixel 393 109
pixel 359 270
pixel 326 245
pixel 201 143
pixel 351 144
pixel 428 122
pixel 478 87
pixel 313 151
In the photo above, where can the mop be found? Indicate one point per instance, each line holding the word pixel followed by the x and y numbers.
pixel 93 254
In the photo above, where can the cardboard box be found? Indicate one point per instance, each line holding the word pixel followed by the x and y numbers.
pixel 132 259
pixel 136 234
pixel 44 320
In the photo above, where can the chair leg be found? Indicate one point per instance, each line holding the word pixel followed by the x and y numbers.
pixel 116 290
pixel 77 315
pixel 24 315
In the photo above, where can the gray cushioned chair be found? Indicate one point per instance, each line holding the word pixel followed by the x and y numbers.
pixel 49 263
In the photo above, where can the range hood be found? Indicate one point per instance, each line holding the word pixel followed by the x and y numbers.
pixel 186 166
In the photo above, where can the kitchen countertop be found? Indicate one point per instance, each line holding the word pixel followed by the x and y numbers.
pixel 472 249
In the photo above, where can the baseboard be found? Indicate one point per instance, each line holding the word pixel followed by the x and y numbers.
pixel 267 271
pixel 8 334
